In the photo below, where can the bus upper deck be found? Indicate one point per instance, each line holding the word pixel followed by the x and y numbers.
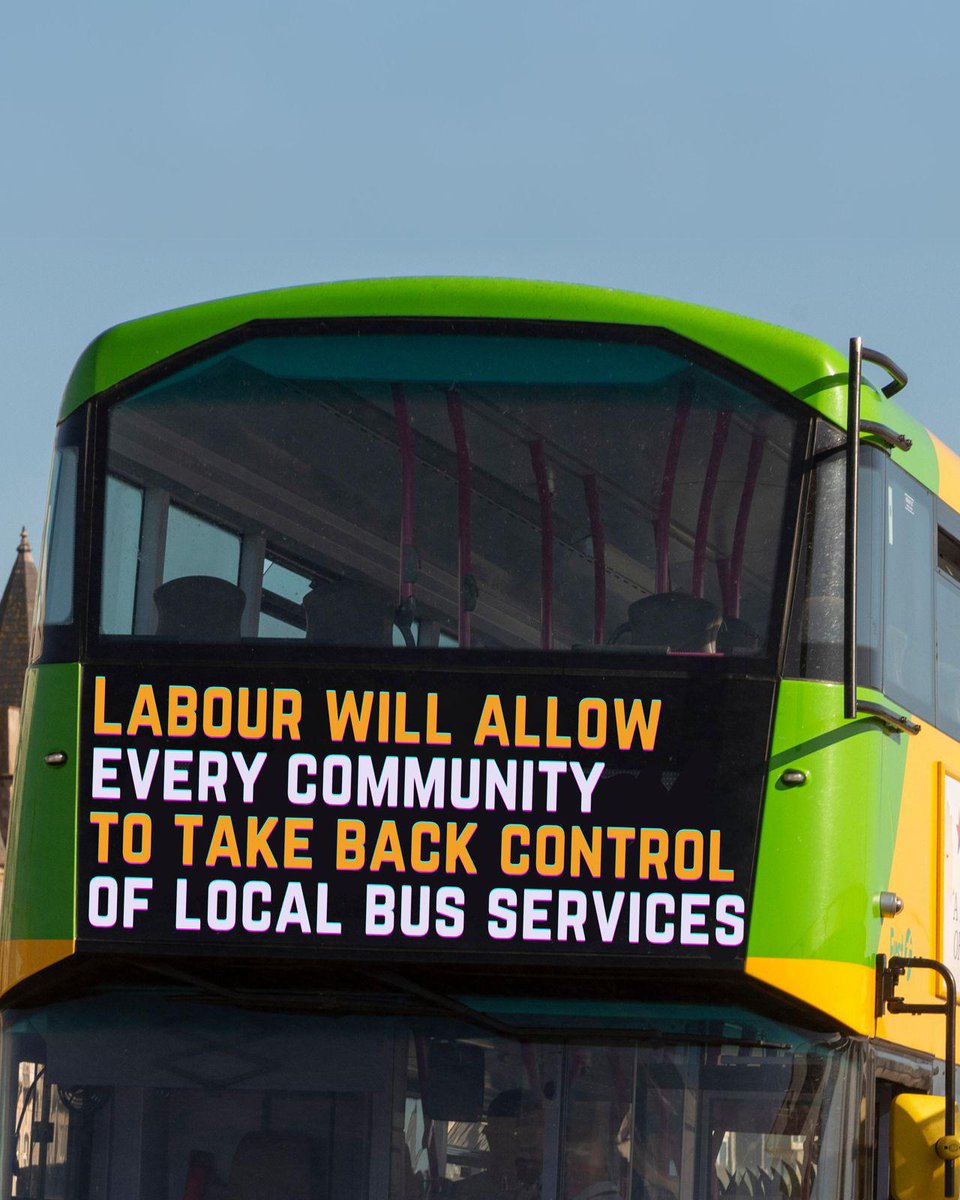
pixel 437 717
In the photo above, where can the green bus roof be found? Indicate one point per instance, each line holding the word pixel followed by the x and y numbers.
pixel 807 368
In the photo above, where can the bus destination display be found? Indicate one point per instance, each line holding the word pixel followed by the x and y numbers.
pixel 363 814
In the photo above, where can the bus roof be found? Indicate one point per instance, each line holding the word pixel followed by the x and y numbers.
pixel 807 368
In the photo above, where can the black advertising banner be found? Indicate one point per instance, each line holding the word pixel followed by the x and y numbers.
pixel 419 814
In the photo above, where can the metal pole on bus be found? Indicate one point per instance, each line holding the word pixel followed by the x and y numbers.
pixel 850 532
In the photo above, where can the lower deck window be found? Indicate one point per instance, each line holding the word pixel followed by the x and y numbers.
pixel 127 1097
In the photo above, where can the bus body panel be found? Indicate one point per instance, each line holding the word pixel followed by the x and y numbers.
pixel 38 915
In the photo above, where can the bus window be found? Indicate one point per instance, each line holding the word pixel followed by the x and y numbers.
pixel 282 593
pixel 454 490
pixel 134 1097
pixel 815 648
pixel 871 544
pixel 599 1092
pixel 894 622
pixel 55 601
pixel 908 616
pixel 948 632
pixel 195 546
pixel 121 543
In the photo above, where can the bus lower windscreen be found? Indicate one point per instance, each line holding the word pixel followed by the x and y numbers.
pixel 154 1096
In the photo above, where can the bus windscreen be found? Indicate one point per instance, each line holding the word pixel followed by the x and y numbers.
pixel 162 1098
pixel 448 490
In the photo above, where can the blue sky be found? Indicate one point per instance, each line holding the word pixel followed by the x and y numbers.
pixel 795 160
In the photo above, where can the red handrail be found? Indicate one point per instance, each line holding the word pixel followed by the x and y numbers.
pixel 407 485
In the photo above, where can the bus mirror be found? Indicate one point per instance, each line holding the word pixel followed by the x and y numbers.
pixel 918 1148
pixel 453 1087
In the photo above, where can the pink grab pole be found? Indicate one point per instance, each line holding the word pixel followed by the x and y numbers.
pixel 464 495
pixel 721 429
pixel 758 445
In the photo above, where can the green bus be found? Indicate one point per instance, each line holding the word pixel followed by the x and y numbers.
pixel 485 740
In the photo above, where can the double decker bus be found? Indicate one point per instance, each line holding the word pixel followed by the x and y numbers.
pixel 485 740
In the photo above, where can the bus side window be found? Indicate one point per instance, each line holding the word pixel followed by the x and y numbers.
pixel 870 568
pixel 122 521
pixel 948 622
pixel 57 555
pixel 908 617
pixel 815 648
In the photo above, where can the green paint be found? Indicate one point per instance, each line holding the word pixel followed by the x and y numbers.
pixel 826 848
pixel 40 883
pixel 809 369
pixel 788 359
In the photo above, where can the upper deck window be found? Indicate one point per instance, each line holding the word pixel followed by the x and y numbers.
pixel 422 489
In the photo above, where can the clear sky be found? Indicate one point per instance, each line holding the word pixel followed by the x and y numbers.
pixel 795 160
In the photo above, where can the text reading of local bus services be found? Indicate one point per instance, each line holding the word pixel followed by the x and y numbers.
pixel 546 817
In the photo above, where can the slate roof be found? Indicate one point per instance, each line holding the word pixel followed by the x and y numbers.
pixel 16 623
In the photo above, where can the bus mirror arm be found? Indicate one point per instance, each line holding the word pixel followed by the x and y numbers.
pixel 889 437
pixel 889 973
pixel 887 716
pixel 898 375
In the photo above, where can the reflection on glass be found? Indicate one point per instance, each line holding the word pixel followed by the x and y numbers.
pixel 121 542
pixel 469 491
pixel 55 600
pixel 157 1099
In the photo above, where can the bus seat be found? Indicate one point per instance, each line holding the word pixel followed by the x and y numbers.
pixel 673 621
pixel 269 1163
pixel 199 608
pixel 348 612
pixel 735 636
